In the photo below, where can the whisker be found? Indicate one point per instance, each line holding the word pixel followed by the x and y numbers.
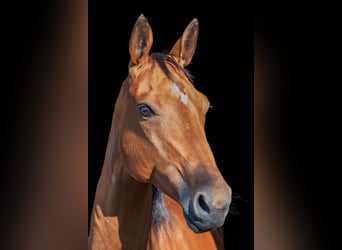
pixel 234 204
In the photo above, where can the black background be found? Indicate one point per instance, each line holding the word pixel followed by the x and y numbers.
pixel 307 45
pixel 223 71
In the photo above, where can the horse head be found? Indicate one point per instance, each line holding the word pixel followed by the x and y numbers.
pixel 163 138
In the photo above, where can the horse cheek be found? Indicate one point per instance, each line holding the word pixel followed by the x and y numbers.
pixel 137 155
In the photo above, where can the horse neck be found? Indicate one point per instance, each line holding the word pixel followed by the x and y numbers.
pixel 121 215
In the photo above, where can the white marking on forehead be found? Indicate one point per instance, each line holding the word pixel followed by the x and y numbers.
pixel 183 97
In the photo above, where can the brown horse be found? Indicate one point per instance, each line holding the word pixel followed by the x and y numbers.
pixel 160 187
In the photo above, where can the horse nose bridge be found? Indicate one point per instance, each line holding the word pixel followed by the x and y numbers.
pixel 197 146
pixel 202 159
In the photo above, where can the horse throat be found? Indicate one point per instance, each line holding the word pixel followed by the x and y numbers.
pixel 160 212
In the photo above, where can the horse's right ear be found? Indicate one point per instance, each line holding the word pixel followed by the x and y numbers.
pixel 141 40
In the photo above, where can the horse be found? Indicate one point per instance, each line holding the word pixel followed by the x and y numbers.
pixel 160 187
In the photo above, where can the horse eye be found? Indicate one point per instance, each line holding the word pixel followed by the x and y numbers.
pixel 145 111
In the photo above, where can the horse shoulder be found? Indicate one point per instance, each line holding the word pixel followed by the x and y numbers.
pixel 104 231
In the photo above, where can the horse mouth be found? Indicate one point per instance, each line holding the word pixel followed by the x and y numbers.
pixel 191 223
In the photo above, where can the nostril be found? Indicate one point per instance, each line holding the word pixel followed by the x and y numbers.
pixel 203 204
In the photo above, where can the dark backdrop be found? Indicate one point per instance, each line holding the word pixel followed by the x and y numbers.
pixel 223 70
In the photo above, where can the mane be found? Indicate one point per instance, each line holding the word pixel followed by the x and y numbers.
pixel 163 58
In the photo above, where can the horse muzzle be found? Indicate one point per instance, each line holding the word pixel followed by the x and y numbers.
pixel 207 208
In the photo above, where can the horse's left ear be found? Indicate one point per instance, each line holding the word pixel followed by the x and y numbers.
pixel 184 48
pixel 141 40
